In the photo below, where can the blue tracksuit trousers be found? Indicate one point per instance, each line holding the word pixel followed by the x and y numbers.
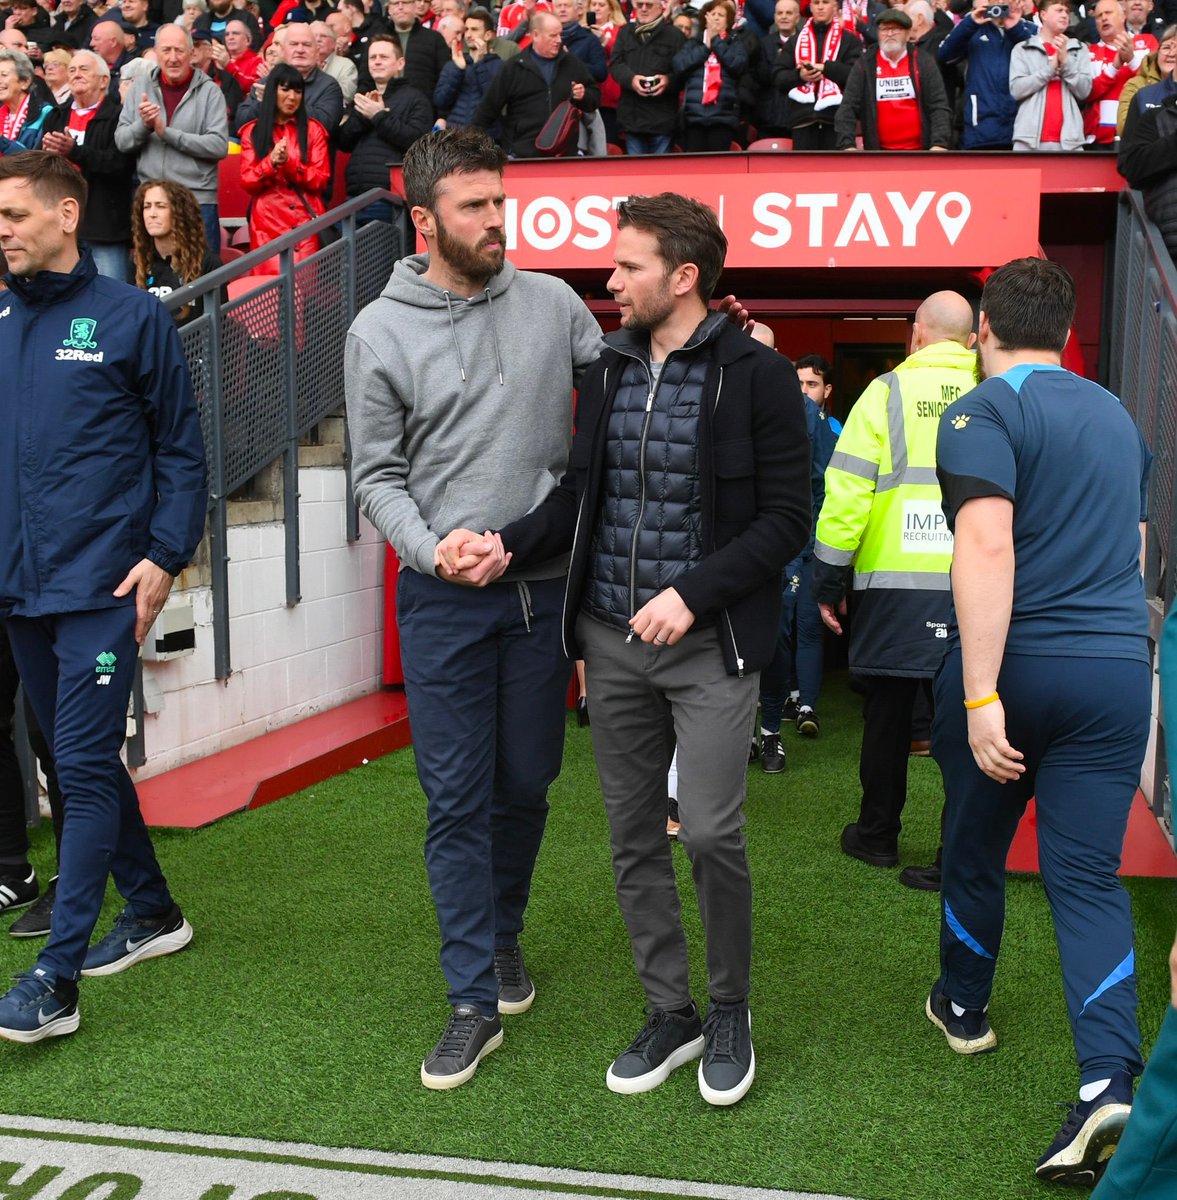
pixel 1082 724
pixel 78 669
pixel 485 677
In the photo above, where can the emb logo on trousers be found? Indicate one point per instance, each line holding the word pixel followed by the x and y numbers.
pixel 105 668
pixel 77 347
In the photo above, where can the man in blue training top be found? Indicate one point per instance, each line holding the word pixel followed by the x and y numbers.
pixel 1045 690
pixel 102 503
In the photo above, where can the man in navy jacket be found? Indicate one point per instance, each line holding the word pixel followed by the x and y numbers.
pixel 989 109
pixel 102 501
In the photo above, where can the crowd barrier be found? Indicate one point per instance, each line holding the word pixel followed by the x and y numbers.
pixel 1142 371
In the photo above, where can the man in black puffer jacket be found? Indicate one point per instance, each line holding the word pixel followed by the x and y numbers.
pixel 687 492
pixel 530 86
pixel 381 125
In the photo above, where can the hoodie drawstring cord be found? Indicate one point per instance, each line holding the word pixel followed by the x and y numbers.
pixel 494 337
pixel 454 334
pixel 525 603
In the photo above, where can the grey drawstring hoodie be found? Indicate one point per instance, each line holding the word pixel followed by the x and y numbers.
pixel 460 410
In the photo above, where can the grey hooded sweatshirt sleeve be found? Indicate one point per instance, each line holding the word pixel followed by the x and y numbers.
pixel 460 410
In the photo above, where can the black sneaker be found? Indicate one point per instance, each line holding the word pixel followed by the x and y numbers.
pixel 18 893
pixel 790 711
pixel 807 723
pixel 967 1032
pixel 753 750
pixel 36 922
pixel 1089 1135
pixel 666 1041
pixel 923 879
pixel 468 1037
pixel 729 1062
pixel 772 757
pixel 853 845
pixel 134 939
pixel 516 991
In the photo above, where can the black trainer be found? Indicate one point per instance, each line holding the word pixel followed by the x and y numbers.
pixel 668 1040
pixel 18 893
pixel 729 1062
pixel 790 711
pixel 968 1032
pixel 468 1037
pixel 1089 1135
pixel 807 723
pixel 923 879
pixel 753 750
pixel 772 756
pixel 853 845
pixel 516 991
pixel 36 922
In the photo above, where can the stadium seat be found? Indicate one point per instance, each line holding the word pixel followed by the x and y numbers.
pixel 770 145
pixel 614 149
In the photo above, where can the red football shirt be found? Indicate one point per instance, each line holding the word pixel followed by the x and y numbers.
pixel 898 106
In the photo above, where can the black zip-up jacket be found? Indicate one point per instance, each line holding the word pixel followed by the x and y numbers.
pixel 859 103
pixel 786 76
pixel 377 145
pixel 646 54
pixel 753 478
pixel 108 172
pixel 1148 156
pixel 521 93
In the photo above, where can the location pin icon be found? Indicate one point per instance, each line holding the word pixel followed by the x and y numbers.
pixel 953 223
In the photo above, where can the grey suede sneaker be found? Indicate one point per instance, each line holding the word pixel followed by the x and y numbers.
pixel 667 1040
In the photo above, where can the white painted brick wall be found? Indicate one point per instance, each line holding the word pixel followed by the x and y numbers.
pixel 288 663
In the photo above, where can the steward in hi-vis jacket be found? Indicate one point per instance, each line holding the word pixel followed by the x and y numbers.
pixel 882 526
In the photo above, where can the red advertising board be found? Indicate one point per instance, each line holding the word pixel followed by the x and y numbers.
pixel 918 218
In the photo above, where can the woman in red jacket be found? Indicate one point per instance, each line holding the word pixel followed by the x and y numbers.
pixel 284 164
pixel 609 18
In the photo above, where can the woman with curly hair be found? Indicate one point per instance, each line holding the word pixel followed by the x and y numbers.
pixel 284 163
pixel 167 240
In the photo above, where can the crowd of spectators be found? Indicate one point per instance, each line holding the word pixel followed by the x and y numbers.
pixel 163 90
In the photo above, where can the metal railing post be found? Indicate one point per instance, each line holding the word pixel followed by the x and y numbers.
pixel 351 511
pixel 295 330
pixel 218 525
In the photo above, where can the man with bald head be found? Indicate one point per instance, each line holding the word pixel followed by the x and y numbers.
pixel 882 535
pixel 106 40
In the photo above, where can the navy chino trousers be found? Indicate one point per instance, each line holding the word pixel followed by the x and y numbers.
pixel 485 677
pixel 1082 724
pixel 77 670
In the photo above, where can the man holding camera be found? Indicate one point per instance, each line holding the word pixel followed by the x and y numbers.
pixel 648 106
pixel 985 39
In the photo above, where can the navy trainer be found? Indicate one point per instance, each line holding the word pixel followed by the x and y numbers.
pixel 967 1032
pixel 38 1007
pixel 666 1042
pixel 134 939
pixel 1089 1135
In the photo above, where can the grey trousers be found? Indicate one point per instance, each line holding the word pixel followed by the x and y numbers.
pixel 644 699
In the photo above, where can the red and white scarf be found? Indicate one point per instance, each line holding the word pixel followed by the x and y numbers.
pixel 11 123
pixel 827 94
pixel 712 78
pixel 854 12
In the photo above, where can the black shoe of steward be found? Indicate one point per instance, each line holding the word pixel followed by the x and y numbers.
pixel 853 845
pixel 772 756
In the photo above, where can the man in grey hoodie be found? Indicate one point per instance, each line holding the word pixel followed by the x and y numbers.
pixel 459 383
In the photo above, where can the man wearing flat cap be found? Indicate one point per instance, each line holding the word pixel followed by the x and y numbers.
pixel 897 94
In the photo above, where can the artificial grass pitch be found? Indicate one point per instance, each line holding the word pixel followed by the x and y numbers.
pixel 311 993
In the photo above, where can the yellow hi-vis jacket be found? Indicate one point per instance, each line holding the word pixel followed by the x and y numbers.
pixel 882 521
